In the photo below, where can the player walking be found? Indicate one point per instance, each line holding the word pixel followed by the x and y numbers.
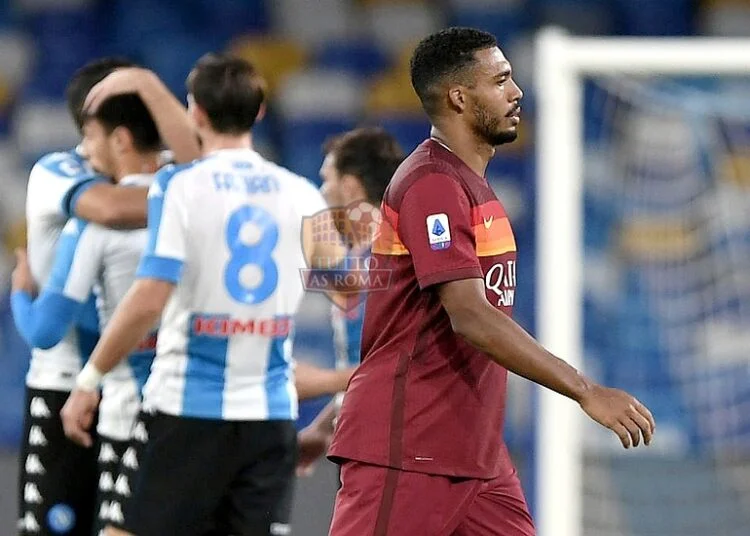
pixel 420 431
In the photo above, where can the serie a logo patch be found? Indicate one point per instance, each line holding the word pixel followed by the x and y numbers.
pixel 438 231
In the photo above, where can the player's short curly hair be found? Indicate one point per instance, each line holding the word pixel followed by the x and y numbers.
pixel 444 54
pixel 229 90
pixel 87 77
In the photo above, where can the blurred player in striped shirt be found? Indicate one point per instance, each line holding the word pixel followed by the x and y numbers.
pixel 57 483
pixel 221 270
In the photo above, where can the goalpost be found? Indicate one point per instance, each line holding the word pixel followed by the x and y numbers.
pixel 562 63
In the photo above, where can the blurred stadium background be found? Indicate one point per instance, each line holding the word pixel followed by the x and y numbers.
pixel 651 278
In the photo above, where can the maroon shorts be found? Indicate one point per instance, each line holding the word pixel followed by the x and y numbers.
pixel 377 501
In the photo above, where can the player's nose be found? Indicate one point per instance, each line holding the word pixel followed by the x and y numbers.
pixel 516 92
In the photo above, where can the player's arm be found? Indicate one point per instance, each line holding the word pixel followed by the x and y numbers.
pixel 44 321
pixel 108 205
pixel 312 381
pixel 169 114
pixel 67 187
pixel 135 317
pixel 322 250
pixel 159 271
pixel 496 334
pixel 324 254
pixel 446 260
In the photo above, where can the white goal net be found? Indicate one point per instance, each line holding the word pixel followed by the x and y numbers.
pixel 644 274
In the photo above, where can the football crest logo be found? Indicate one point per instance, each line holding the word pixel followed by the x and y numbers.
pixel 344 278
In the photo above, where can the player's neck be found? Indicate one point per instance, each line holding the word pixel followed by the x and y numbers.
pixel 213 141
pixel 473 152
pixel 136 164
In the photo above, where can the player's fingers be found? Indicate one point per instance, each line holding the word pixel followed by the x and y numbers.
pixel 622 433
pixel 643 410
pixel 643 424
pixel 92 102
pixel 86 420
pixel 633 431
pixel 73 431
pixel 80 436
pixel 95 97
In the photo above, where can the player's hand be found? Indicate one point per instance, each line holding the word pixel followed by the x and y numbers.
pixel 78 416
pixel 312 443
pixel 621 413
pixel 21 279
pixel 118 82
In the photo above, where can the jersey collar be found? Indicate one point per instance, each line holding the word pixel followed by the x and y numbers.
pixel 137 179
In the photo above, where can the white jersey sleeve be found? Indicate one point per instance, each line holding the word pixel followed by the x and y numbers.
pixel 165 252
pixel 55 182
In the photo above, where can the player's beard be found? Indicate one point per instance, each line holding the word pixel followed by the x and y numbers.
pixel 487 127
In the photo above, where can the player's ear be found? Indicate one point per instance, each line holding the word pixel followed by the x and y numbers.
pixel 199 116
pixel 352 187
pixel 457 98
pixel 261 112
pixel 122 139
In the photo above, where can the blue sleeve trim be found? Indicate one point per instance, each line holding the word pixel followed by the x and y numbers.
pixel 70 199
pixel 66 253
pixel 156 202
pixel 43 322
pixel 88 319
pixel 161 268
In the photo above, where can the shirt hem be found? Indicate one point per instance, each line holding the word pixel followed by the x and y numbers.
pixel 414 467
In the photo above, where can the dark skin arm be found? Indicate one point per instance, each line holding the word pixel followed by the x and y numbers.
pixel 496 334
pixel 110 206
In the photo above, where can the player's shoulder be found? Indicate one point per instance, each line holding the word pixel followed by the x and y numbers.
pixel 170 174
pixel 287 177
pixel 423 168
pixel 64 164
pixel 303 193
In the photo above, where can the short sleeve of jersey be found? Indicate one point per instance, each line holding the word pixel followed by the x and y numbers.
pixel 59 179
pixel 77 260
pixel 165 252
pixel 434 223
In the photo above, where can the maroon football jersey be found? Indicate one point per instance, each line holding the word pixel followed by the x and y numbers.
pixel 424 399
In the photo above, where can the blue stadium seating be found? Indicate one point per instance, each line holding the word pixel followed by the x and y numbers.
pixel 409 131
pixel 303 140
pixel 506 24
pixel 360 58
pixel 65 40
pixel 157 53
pixel 665 17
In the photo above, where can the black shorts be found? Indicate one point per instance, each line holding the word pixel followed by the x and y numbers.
pixel 57 478
pixel 117 465
pixel 200 476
